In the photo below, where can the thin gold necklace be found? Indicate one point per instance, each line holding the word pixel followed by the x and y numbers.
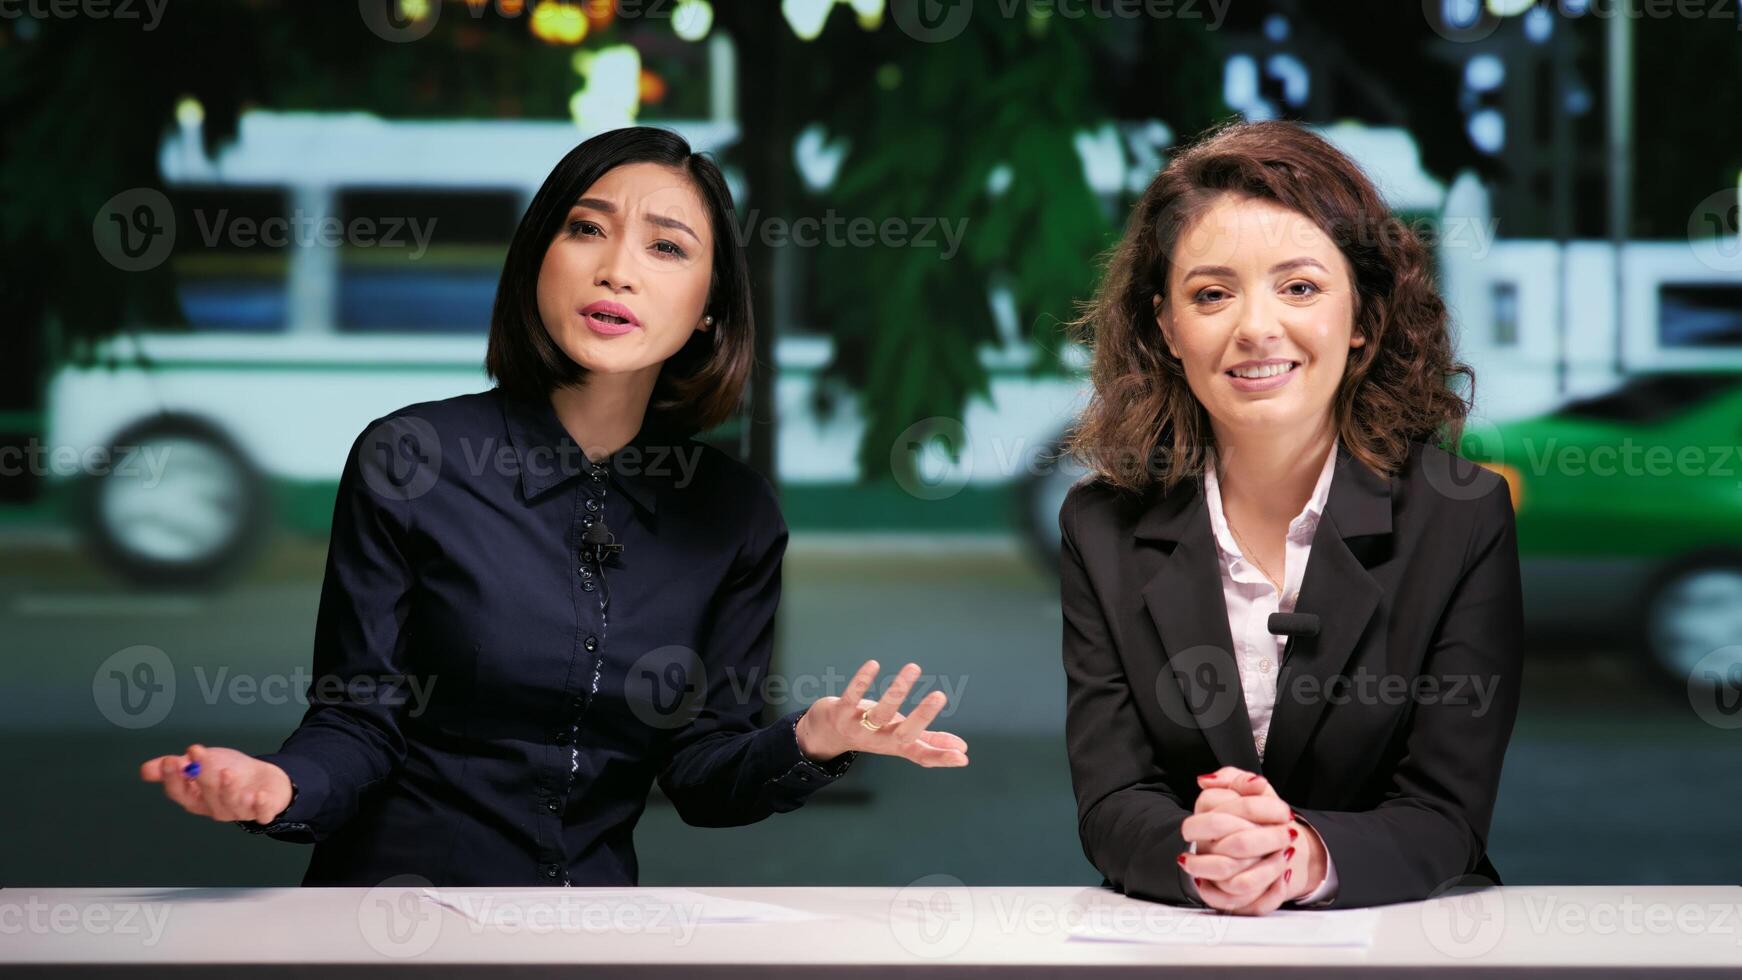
pixel 1246 550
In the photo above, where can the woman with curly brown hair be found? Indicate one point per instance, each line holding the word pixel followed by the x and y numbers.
pixel 1292 622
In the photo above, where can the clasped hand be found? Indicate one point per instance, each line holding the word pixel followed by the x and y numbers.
pixel 1252 854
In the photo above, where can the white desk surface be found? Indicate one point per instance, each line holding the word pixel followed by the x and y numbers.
pixel 1567 930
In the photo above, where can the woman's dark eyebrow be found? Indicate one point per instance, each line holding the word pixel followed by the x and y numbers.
pixel 606 207
pixel 664 222
pixel 1222 270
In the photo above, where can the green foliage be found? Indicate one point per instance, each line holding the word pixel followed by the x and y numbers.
pixel 926 127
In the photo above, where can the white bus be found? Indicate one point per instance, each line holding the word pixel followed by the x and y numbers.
pixel 297 340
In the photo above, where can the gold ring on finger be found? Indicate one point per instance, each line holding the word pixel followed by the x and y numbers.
pixel 866 722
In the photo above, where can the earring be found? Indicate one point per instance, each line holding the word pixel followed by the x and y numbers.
pixel 709 319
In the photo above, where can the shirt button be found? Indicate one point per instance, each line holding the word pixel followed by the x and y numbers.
pixel 586 572
pixel 587 586
pixel 592 505
pixel 551 871
pixel 553 805
pixel 592 643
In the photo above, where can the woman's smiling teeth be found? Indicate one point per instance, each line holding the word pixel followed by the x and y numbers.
pixel 1264 370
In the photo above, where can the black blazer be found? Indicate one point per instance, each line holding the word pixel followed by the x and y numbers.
pixel 1389 727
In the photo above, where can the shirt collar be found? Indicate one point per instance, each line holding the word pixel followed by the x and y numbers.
pixel 548 456
pixel 1305 522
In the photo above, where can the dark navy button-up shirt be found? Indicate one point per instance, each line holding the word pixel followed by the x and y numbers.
pixel 493 694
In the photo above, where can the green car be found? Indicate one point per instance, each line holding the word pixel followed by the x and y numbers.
pixel 1629 512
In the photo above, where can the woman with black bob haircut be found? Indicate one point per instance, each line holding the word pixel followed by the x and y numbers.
pixel 542 598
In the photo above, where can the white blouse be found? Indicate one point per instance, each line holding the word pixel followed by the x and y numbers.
pixel 1251 598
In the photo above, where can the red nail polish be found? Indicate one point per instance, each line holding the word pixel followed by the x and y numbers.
pixel 1291 815
pixel 1286 875
pixel 1198 882
pixel 1286 855
pixel 1208 775
pixel 1293 833
pixel 1182 859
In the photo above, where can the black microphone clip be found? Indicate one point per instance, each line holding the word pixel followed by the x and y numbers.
pixel 1295 626
pixel 600 543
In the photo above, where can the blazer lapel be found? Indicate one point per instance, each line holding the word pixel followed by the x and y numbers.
pixel 1184 598
pixel 1338 589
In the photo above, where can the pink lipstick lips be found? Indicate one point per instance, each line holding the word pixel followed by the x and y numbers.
pixel 608 318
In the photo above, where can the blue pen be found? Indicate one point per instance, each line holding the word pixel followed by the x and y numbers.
pixel 191 770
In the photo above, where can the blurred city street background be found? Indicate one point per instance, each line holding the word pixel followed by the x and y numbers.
pixel 233 233
pixel 1606 780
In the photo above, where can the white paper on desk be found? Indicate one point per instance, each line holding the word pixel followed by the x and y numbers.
pixel 1172 925
pixel 602 910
